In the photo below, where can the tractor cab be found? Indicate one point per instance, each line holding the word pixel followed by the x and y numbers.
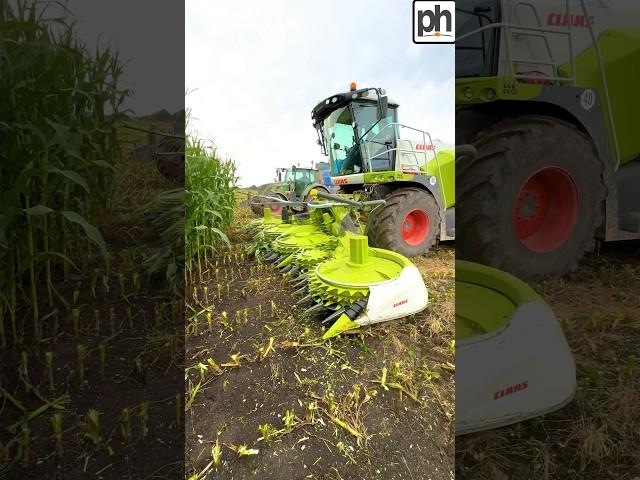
pixel 301 178
pixel 357 130
pixel 360 133
pixel 297 179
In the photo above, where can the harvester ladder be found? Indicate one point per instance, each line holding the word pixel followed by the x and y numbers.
pixel 513 30
pixel 603 79
pixel 425 136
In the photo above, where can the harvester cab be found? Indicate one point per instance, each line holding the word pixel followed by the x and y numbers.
pixel 543 91
pixel 359 132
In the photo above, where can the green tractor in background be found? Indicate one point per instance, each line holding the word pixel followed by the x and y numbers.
pixel 369 158
pixel 545 92
pixel 292 184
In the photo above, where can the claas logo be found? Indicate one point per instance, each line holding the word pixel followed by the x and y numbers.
pixel 424 146
pixel 518 387
pixel 559 19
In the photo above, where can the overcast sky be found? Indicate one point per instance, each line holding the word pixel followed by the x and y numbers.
pixel 257 68
pixel 149 38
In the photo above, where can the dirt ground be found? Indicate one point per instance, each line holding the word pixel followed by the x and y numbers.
pixel 596 436
pixel 130 331
pixel 267 398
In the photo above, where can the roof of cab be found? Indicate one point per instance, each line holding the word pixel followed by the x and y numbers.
pixel 324 108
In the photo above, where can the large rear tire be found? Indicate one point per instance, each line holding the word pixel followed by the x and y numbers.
pixel 408 224
pixel 532 199
pixel 276 208
pixel 171 167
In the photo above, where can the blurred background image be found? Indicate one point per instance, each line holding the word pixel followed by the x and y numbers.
pixel 91 181
pixel 547 274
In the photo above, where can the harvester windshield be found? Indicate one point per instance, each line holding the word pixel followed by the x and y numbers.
pixel 340 139
pixel 356 139
pixel 475 53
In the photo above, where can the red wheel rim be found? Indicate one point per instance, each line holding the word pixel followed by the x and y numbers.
pixel 415 227
pixel 546 209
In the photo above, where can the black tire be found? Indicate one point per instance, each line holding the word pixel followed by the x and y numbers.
pixel 509 153
pixel 275 205
pixel 171 167
pixel 385 229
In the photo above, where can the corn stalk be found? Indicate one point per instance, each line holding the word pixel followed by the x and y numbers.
pixel 59 115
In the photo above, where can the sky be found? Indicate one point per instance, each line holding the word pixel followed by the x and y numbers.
pixel 149 37
pixel 255 69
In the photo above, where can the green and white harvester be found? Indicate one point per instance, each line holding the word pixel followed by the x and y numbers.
pixel 348 253
pixel 333 270
pixel 374 156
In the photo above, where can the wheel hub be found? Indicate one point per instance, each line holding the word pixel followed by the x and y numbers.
pixel 528 206
pixel 415 227
pixel 276 208
pixel 546 209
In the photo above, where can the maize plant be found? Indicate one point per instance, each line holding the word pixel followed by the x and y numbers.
pixel 59 111
pixel 170 222
pixel 216 453
pixel 210 184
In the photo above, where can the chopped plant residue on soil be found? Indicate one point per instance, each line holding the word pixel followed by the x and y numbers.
pixel 267 398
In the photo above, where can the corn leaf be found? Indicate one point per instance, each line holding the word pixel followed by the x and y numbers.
pixel 91 231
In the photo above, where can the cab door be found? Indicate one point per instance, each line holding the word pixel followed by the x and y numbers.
pixel 378 140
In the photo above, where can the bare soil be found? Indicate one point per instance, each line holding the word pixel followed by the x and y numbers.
pixel 140 325
pixel 343 422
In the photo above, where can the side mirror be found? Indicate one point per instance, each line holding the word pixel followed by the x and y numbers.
pixel 384 107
